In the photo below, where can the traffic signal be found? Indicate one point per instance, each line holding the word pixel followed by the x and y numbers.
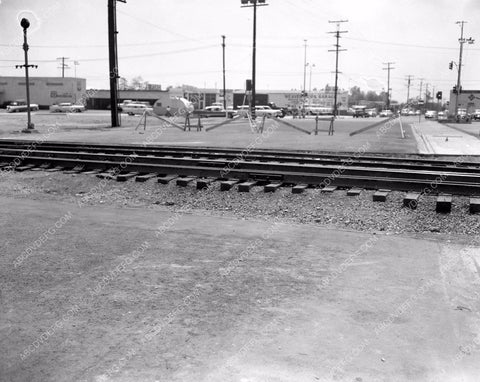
pixel 439 95
pixel 450 65
pixel 455 89
pixel 248 85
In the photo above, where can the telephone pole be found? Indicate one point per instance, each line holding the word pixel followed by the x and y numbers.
pixel 254 4
pixel 409 80
pixel 421 86
pixel 224 95
pixel 462 41
pixel 63 65
pixel 388 68
pixel 113 61
pixel 337 49
pixel 304 66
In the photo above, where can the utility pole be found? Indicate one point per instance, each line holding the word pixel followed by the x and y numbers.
pixel 426 96
pixel 462 41
pixel 409 79
pixel 388 68
pixel 310 82
pixel 63 65
pixel 75 64
pixel 254 4
pixel 304 66
pixel 421 86
pixel 224 95
pixel 113 61
pixel 337 49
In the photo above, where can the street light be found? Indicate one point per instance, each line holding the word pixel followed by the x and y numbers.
pixel 24 23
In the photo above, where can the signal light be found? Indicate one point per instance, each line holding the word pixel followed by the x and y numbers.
pixel 450 65
pixel 455 89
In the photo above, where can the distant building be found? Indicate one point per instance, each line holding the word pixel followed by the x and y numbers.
pixel 467 99
pixel 100 99
pixel 293 98
pixel 44 91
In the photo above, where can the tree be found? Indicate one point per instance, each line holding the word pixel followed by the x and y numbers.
pixel 123 83
pixel 137 83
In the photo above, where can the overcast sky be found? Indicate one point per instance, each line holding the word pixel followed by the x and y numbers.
pixel 174 42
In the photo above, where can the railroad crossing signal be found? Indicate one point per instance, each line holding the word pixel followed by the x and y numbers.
pixel 439 95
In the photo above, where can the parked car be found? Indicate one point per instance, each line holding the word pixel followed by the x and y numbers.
pixel 66 107
pixel 442 116
pixel 476 114
pixel 136 108
pixel 371 112
pixel 216 111
pixel 20 105
pixel 386 113
pixel 260 111
pixel 430 114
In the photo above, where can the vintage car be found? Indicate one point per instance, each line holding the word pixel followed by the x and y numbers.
pixel 136 108
pixel 20 105
pixel 216 111
pixel 66 107
pixel 260 111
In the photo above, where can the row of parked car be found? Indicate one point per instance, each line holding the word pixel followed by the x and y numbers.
pixel 65 107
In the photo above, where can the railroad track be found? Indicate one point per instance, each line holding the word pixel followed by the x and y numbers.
pixel 264 167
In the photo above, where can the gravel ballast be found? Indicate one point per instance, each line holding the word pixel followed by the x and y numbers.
pixel 336 209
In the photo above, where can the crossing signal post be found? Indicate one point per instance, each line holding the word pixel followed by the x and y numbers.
pixel 24 23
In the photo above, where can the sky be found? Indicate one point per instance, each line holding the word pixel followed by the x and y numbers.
pixel 175 42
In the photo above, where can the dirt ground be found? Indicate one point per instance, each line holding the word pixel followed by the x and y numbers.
pixel 92 126
pixel 129 294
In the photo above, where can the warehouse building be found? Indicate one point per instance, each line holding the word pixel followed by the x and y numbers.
pixel 467 99
pixel 44 91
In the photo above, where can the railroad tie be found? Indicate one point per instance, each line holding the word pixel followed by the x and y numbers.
pixel 184 181
pixel 272 187
pixel 299 188
pixel 444 203
pixel 23 168
pixel 125 177
pixel 75 170
pixel 474 205
pixel 204 183
pixel 246 186
pixel 145 177
pixel 411 200
pixel 166 179
pixel 228 184
pixel 354 191
pixel 329 189
pixel 381 195
pixel 53 169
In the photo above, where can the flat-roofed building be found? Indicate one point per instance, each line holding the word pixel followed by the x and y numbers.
pixel 44 91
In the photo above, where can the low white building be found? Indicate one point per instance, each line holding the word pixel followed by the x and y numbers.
pixel 44 91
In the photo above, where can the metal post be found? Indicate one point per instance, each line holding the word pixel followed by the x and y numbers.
pixel 30 125
pixel 224 95
pixel 254 49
